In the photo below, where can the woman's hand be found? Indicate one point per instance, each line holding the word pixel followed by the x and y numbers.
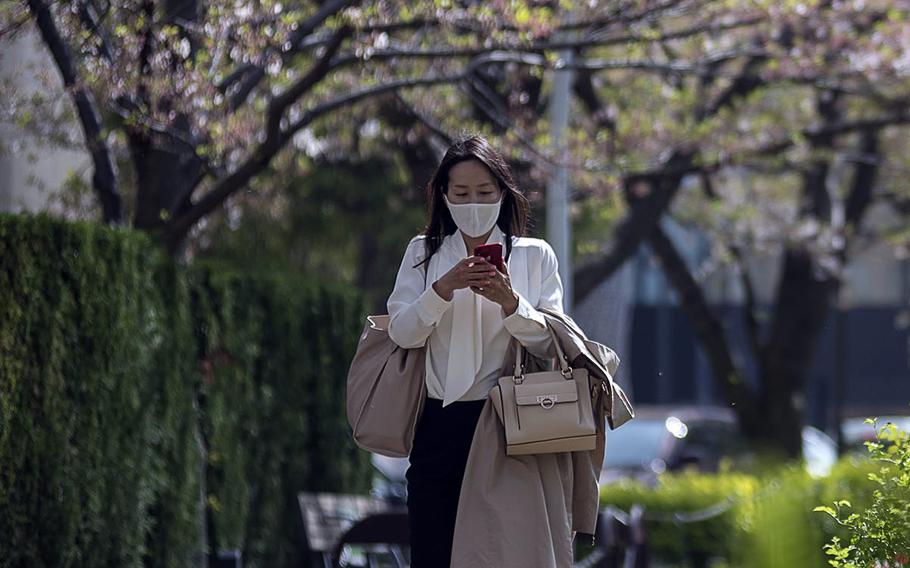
pixel 499 289
pixel 473 271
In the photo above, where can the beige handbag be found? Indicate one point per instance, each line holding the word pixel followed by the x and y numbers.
pixel 546 411
pixel 386 389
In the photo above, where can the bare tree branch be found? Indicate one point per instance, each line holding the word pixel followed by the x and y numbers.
pixel 250 74
pixel 269 148
pixel 705 67
pixel 14 26
pixel 583 87
pixel 369 92
pixel 707 326
pixel 864 177
pixel 431 124
pixel 749 306
pixel 281 102
pixel 104 177
pixel 771 148
pixel 644 213
pixel 308 26
pixel 551 45
pixel 746 82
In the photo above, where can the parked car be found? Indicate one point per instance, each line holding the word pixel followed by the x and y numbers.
pixel 662 439
pixel 856 432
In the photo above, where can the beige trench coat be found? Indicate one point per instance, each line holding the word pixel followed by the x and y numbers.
pixel 522 511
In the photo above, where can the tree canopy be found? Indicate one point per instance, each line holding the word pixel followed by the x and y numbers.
pixel 770 125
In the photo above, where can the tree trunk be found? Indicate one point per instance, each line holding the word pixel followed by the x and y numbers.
pixel 104 176
pixel 708 331
pixel 166 171
pixel 164 181
pixel 803 300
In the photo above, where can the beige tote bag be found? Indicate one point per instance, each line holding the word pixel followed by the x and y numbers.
pixel 546 411
pixel 386 389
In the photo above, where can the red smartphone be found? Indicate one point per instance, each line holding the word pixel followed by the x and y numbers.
pixel 492 253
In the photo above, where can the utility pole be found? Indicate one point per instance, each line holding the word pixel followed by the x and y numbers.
pixel 559 230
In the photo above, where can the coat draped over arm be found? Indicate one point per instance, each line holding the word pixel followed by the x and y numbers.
pixel 523 510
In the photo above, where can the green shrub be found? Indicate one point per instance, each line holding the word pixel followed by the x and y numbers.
pixel 174 535
pixel 878 533
pixel 674 542
pixel 762 520
pixel 106 348
pixel 95 399
pixel 273 410
pixel 780 531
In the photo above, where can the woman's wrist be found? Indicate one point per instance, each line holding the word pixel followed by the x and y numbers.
pixel 442 290
pixel 509 307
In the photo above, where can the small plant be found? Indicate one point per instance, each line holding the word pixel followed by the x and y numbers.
pixel 879 535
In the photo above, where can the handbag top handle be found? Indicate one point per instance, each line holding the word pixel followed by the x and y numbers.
pixel 519 371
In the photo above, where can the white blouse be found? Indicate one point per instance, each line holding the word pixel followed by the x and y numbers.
pixel 470 326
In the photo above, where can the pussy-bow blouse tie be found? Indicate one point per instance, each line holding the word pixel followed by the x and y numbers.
pixel 466 342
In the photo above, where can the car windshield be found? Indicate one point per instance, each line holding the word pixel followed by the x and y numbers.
pixel 634 444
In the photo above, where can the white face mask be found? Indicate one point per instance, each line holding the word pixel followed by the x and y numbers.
pixel 474 219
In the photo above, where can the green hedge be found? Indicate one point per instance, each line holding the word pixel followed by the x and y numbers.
pixel 275 356
pixel 115 364
pixel 769 523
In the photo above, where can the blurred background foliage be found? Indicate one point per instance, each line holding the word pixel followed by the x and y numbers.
pixel 744 519
pixel 343 220
pixel 169 402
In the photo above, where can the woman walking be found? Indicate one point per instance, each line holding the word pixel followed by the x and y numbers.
pixel 466 311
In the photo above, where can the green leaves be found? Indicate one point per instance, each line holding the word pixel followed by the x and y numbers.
pixel 828 510
pixel 878 533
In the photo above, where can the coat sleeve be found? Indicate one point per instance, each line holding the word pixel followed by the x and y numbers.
pixel 414 310
pixel 527 324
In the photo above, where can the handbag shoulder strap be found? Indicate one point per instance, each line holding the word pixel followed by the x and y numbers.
pixel 561 358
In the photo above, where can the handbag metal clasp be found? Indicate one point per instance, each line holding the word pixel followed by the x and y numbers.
pixel 547 401
pixel 519 376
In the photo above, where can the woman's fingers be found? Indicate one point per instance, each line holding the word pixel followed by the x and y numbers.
pixel 480 269
pixel 476 272
pixel 475 262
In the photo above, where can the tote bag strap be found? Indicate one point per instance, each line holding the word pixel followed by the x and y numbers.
pixel 561 359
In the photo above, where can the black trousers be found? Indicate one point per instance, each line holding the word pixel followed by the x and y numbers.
pixel 442 441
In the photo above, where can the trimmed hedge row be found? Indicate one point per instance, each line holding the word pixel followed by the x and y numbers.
pixel 119 369
pixel 274 356
pixel 769 521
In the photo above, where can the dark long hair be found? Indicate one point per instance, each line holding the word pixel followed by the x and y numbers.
pixel 513 214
